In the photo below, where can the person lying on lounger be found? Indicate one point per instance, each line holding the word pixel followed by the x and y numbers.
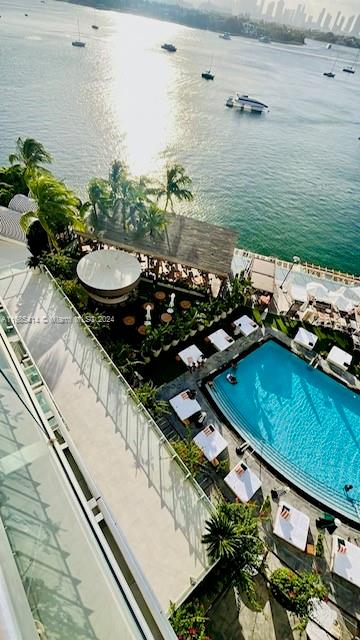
pixel 231 378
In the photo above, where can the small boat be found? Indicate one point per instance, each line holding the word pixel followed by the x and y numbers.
pixel 352 68
pixel 78 43
pixel 329 74
pixel 168 47
pixel 349 70
pixel 265 39
pixel 244 103
pixel 225 36
pixel 329 46
pixel 94 26
pixel 207 75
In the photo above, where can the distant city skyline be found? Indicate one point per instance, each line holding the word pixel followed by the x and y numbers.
pixel 323 15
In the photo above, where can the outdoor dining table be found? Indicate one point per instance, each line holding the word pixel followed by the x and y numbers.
pixel 129 321
pixel 148 304
pixel 160 296
pixel 166 317
pixel 185 304
pixel 142 330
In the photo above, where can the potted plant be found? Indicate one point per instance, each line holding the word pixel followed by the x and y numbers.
pixel 167 337
pixel 156 340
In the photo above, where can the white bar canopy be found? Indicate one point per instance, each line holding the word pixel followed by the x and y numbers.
pixel 243 482
pixel 339 358
pixel 305 338
pixel 299 293
pixel 324 622
pixel 346 560
pixel 292 525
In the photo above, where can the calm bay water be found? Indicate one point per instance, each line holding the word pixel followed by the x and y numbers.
pixel 287 181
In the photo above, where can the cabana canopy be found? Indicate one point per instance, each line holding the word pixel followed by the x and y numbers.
pixel 245 325
pixel 339 358
pixel 184 406
pixel 346 560
pixel 292 525
pixel 190 242
pixel 299 293
pixel 263 275
pixel 323 624
pixel 108 274
pixel 221 340
pixel 211 442
pixel 190 355
pixel 305 338
pixel 243 482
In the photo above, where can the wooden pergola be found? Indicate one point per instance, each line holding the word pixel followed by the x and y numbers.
pixel 189 242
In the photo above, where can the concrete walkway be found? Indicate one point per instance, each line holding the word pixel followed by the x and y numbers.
pixel 160 512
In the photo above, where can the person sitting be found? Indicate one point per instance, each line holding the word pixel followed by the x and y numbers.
pixel 285 512
pixel 201 417
pixel 231 378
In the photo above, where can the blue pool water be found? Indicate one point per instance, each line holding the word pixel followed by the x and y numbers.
pixel 300 420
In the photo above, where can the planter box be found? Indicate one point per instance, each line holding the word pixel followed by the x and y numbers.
pixel 166 347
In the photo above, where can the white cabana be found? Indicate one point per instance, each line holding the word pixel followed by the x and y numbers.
pixel 298 293
pixel 191 355
pixel 323 624
pixel 305 338
pixel 339 358
pixel 245 325
pixel 221 340
pixel 345 560
pixel 292 525
pixel 211 442
pixel 343 304
pixel 318 291
pixel 243 482
pixel 184 406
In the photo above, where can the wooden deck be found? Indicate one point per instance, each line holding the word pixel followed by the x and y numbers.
pixel 190 242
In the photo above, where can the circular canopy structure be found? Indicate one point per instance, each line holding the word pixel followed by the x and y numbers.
pixel 109 275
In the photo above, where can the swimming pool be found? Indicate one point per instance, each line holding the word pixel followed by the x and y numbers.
pixel 304 423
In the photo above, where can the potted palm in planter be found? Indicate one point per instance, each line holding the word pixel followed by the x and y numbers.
pixel 177 332
pixel 156 336
pixel 167 337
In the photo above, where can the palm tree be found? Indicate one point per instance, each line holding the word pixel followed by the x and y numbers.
pixel 118 172
pixel 221 538
pixel 29 154
pixel 57 207
pixel 154 221
pixel 177 186
pixel 99 205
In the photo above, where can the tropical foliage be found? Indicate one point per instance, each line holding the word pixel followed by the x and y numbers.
pixel 189 452
pixel 57 206
pixel 297 592
pixel 12 181
pixel 232 538
pixel 30 154
pixel 147 394
pixel 176 187
pixel 189 621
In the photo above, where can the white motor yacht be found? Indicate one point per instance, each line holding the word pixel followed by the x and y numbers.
pixel 243 103
pixel 225 36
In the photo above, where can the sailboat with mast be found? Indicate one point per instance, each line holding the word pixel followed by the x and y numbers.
pixel 352 68
pixel 79 42
pixel 331 74
pixel 207 75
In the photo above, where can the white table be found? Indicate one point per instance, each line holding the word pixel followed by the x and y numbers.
pixel 295 529
pixel 346 565
pixel 245 325
pixel 245 485
pixel 190 355
pixel 221 340
pixel 212 444
pixel 184 407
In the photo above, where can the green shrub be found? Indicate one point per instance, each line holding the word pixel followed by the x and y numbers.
pixel 189 621
pixel 320 545
pixel 189 452
pixel 296 592
pixel 60 266
pixel 74 292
